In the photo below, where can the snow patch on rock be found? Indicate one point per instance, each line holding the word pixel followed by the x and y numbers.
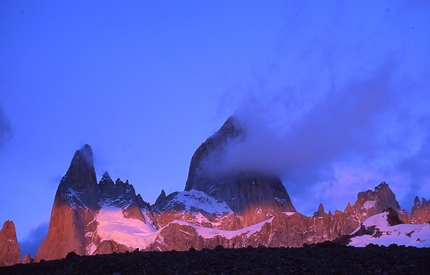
pixel 289 213
pixel 209 233
pixel 197 200
pixel 369 204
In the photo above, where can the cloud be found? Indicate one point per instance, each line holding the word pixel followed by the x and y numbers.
pixel 31 242
pixel 5 128
pixel 349 141
pixel 416 165
pixel 344 123
pixel 351 108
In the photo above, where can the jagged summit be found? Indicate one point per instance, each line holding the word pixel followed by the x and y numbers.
pixel 161 198
pixel 80 179
pixel 374 202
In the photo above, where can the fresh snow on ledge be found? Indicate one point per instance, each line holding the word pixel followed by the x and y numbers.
pixel 289 213
pixel 417 235
pixel 208 233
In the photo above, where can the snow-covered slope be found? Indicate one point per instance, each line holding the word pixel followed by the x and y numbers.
pixel 382 233
pixel 134 233
pixel 112 225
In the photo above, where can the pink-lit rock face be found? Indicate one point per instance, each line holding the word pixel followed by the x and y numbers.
pixel 9 248
pixel 75 206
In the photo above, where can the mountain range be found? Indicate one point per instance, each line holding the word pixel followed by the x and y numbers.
pixel 230 208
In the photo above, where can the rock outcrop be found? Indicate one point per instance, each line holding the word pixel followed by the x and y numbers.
pixel 9 247
pixel 420 211
pixel 108 247
pixel 27 259
pixel 372 202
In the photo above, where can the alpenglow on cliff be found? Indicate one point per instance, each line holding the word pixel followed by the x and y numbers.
pixel 233 209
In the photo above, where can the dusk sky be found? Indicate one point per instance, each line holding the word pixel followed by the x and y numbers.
pixel 334 94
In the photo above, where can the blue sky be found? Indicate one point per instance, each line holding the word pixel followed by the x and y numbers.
pixel 335 95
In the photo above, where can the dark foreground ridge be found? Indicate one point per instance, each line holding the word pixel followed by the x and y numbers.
pixel 324 258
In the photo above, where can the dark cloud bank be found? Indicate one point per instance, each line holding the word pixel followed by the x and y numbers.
pixel 31 242
pixel 5 128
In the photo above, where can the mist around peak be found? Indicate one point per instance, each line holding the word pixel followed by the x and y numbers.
pixel 367 131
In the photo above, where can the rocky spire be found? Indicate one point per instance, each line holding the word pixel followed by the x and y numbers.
pixel 9 248
pixel 161 197
pixel 417 201
pixel 74 209
pixel 320 212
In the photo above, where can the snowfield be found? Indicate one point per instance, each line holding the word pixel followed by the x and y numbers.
pixel 417 235
pixel 369 204
pixel 130 232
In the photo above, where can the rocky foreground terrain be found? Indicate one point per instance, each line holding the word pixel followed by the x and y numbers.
pixel 323 258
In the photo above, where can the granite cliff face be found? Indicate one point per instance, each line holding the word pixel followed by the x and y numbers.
pixel 9 248
pixel 74 209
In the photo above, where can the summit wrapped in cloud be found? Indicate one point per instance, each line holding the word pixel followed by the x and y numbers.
pixel 246 191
